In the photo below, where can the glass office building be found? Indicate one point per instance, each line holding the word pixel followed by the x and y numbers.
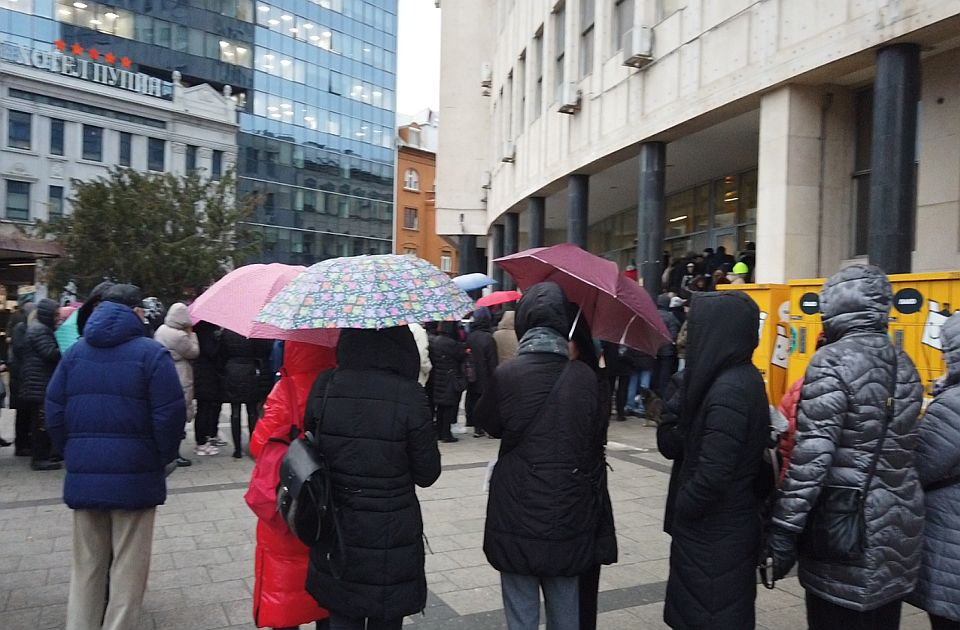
pixel 316 82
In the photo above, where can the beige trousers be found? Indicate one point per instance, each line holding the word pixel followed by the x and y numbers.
pixel 109 548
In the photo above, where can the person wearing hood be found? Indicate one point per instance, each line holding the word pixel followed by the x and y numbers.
pixel 482 355
pixel 115 409
pixel 667 360
pixel 18 347
pixel 447 354
pixel 506 337
pixel 241 383
pixel 843 422
pixel 938 464
pixel 177 336
pixel 281 600
pixel 374 429
pixel 713 503
pixel 208 385
pixel 543 510
pixel 39 358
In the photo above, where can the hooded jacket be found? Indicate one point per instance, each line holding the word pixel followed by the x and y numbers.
pixel 671 322
pixel 115 410
pixel 505 337
pixel 40 353
pixel 483 350
pixel 715 495
pixel 18 349
pixel 839 422
pixel 376 432
pixel 938 462
pixel 208 366
pixel 182 345
pixel 280 599
pixel 242 361
pixel 446 357
pixel 543 509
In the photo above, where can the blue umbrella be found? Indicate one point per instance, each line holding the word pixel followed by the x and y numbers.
pixel 473 281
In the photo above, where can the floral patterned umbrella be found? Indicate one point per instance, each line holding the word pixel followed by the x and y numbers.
pixel 370 292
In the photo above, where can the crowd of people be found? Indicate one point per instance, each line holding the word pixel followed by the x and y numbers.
pixel 113 407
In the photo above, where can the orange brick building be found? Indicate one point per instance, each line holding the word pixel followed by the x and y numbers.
pixel 415 225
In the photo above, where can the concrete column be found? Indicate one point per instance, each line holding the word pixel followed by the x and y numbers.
pixel 896 89
pixel 496 251
pixel 578 206
pixel 537 208
pixel 511 241
pixel 651 214
pixel 788 186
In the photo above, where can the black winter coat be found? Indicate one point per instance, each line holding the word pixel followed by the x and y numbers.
pixel 715 515
pixel 483 351
pixel 41 354
pixel 18 349
pixel 378 439
pixel 447 376
pixel 545 492
pixel 207 385
pixel 240 367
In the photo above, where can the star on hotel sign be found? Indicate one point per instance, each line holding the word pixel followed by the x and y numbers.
pixel 77 50
pixel 125 61
pixel 109 58
pixel 60 44
pixel 93 53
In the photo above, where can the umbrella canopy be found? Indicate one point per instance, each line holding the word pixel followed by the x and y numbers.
pixel 616 308
pixel 67 333
pixel 473 281
pixel 499 297
pixel 235 301
pixel 370 292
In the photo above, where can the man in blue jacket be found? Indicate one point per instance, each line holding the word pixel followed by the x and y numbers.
pixel 115 410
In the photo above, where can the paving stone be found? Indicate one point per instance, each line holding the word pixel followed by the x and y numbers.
pixel 200 617
pixel 187 576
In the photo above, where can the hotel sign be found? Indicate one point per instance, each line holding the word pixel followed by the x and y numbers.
pixel 89 65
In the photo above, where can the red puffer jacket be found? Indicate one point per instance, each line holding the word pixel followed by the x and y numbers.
pixel 280 598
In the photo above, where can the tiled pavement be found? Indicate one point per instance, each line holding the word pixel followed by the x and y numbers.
pixel 202 566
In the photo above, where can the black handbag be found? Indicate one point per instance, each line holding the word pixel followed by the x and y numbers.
pixel 305 493
pixel 836 528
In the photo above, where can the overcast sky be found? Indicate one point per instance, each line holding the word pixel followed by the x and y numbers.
pixel 418 58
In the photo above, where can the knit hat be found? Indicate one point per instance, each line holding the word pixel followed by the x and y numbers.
pixel 741 269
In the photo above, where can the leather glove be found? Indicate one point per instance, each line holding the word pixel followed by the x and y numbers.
pixel 782 548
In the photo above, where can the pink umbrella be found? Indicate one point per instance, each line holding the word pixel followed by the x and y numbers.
pixel 616 308
pixel 499 297
pixel 236 299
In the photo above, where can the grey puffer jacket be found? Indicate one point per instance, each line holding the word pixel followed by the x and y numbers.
pixel 938 460
pixel 839 421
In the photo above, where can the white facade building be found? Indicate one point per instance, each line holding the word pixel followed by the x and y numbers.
pixel 763 109
pixel 68 118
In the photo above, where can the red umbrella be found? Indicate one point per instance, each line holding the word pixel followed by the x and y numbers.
pixel 617 309
pixel 499 297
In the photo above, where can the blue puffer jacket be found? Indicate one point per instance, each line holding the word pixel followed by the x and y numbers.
pixel 115 410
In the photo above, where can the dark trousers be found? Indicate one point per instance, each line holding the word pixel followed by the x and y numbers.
pixel 446 415
pixel 589 583
pixel 321 625
pixel 206 421
pixel 22 439
pixel 235 421
pixel 942 623
pixel 470 405
pixel 342 622
pixel 619 384
pixel 824 615
pixel 39 438
pixel 666 368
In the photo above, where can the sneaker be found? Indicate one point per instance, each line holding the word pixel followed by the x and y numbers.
pixel 216 441
pixel 206 449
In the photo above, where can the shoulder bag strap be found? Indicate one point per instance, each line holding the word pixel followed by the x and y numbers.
pixel 887 419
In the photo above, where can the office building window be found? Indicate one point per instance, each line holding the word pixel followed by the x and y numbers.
pixel 156 149
pixel 56 136
pixel 410 219
pixel 521 96
pixel 622 22
pixel 410 251
pixel 559 48
pixel 126 148
pixel 587 12
pixel 18 129
pixel 411 179
pixel 216 170
pixel 191 158
pixel 537 103
pixel 446 263
pixel 55 202
pixel 18 200
pixel 93 143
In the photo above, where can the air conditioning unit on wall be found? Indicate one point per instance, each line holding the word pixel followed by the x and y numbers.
pixel 638 46
pixel 570 103
pixel 508 153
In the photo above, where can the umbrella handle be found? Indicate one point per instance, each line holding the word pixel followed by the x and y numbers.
pixel 576 320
